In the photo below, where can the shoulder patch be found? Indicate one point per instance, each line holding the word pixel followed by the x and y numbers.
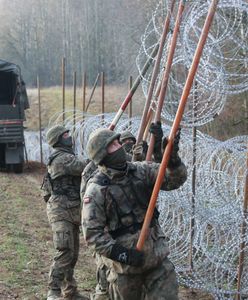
pixel 86 199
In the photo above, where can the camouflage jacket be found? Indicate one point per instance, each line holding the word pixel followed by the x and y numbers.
pixel 115 200
pixel 65 172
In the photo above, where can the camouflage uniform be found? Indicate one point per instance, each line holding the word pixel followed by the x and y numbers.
pixel 101 291
pixel 63 211
pixel 114 207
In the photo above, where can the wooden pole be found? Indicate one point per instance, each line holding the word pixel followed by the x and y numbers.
pixel 243 244
pixel 40 131
pixel 92 91
pixel 74 98
pixel 130 108
pixel 193 184
pixel 143 123
pixel 84 90
pixel 192 219
pixel 63 88
pixel 103 95
pixel 134 88
pixel 176 123
pixel 166 74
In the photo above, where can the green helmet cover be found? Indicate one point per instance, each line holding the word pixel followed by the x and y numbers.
pixel 54 133
pixel 98 143
pixel 127 135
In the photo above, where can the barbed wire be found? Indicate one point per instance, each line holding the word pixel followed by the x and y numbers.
pixel 223 67
pixel 201 220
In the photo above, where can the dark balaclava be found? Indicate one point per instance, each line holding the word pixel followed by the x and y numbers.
pixel 128 147
pixel 65 142
pixel 116 160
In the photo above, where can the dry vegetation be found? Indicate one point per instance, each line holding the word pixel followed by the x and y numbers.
pixel 26 242
pixel 231 122
pixel 51 102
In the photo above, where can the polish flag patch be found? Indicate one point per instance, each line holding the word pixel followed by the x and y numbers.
pixel 86 200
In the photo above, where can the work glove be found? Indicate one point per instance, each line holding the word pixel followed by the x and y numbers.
pixel 175 160
pixel 127 256
pixel 138 152
pixel 145 147
pixel 156 130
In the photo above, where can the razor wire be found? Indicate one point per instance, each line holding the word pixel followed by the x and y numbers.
pixel 220 166
pixel 223 66
pixel 218 215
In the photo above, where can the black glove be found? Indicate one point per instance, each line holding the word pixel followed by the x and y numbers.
pixel 156 130
pixel 145 147
pixel 127 256
pixel 175 160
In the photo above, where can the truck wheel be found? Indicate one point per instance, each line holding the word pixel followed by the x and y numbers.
pixel 18 168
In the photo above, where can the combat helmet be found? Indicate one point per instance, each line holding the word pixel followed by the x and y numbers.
pixel 98 143
pixel 54 133
pixel 127 135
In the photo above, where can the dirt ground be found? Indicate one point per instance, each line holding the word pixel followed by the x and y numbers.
pixel 26 242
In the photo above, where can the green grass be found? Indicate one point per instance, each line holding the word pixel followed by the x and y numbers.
pixel 51 102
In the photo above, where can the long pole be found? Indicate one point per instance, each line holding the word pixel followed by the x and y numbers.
pixel 192 219
pixel 63 88
pixel 150 114
pixel 130 108
pixel 84 90
pixel 103 95
pixel 134 88
pixel 39 103
pixel 74 97
pixel 176 124
pixel 92 91
pixel 155 73
pixel 243 233
pixel 166 74
pixel 193 182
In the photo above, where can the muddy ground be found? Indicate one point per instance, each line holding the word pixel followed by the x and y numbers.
pixel 26 241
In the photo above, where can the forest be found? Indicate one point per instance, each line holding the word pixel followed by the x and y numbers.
pixel 93 36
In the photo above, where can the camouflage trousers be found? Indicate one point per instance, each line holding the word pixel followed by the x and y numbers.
pixel 66 245
pixel 102 287
pixel 157 284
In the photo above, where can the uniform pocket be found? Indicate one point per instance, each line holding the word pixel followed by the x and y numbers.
pixel 61 240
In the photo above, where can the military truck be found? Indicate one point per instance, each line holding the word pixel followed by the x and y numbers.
pixel 13 103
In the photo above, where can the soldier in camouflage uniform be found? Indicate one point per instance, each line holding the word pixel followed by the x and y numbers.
pixel 114 207
pixel 138 153
pixel 128 140
pixel 64 213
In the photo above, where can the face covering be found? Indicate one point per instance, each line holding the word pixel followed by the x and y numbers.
pixel 67 142
pixel 128 147
pixel 116 160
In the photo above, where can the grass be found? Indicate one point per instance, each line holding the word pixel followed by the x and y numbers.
pixel 51 102
pixel 231 122
pixel 26 241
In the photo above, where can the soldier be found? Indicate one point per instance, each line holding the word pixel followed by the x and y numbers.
pixel 114 207
pixel 63 211
pixel 138 152
pixel 128 140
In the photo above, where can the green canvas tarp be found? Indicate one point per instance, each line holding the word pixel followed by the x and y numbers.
pixel 12 87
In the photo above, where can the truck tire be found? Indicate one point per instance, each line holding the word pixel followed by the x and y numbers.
pixel 18 168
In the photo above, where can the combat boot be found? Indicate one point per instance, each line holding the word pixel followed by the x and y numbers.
pixel 54 295
pixel 76 296
pixel 99 296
